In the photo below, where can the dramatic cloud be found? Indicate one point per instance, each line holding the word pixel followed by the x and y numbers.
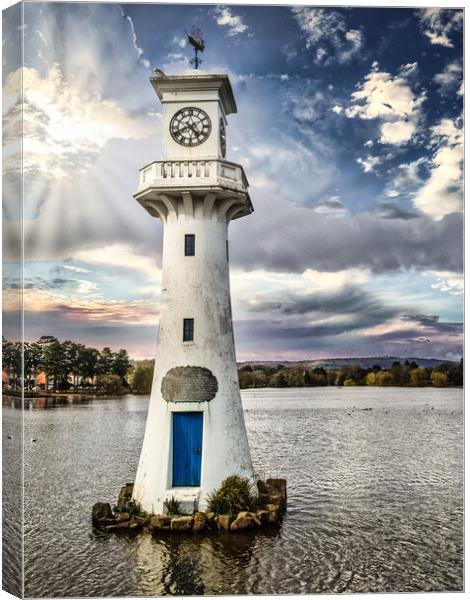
pixel 439 24
pixel 450 78
pixel 226 18
pixel 390 100
pixel 310 240
pixel 442 194
pixel 64 128
pixel 327 31
pixel 355 245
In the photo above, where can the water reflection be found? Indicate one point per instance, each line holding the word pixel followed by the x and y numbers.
pixel 178 564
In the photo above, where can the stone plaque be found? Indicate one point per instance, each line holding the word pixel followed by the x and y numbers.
pixel 189 384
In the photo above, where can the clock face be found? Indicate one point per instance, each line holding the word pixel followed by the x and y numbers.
pixel 190 126
pixel 223 139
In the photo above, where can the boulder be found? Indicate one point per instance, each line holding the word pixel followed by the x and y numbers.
pixel 181 523
pixel 125 495
pixel 160 522
pixel 200 521
pixel 262 487
pixel 129 524
pixel 264 499
pixel 273 513
pixel 277 499
pixel 101 513
pixel 262 516
pixel 245 520
pixel 278 487
pixel 224 521
pixel 118 525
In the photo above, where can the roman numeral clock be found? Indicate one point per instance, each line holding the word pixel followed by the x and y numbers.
pixel 190 126
pixel 195 433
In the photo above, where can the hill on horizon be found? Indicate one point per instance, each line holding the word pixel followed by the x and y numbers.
pixel 365 362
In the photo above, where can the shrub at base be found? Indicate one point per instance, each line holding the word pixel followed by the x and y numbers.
pixel 236 494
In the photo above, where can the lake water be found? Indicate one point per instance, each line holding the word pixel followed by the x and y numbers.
pixel 375 498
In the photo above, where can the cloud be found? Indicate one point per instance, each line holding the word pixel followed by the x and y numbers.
pixel 438 24
pixel 369 163
pixel 294 238
pixel 65 128
pixel 333 207
pixel 226 18
pixel 74 104
pixel 347 316
pixel 447 282
pixel 450 78
pixel 137 48
pixel 390 100
pixel 390 210
pixel 307 103
pixel 121 256
pixel 296 170
pixel 327 29
pixel 442 193
pixel 182 42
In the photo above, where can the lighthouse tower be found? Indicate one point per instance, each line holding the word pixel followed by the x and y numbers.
pixel 195 434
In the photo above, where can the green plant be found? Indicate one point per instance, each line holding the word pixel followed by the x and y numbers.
pixel 234 495
pixel 172 506
pixel 132 508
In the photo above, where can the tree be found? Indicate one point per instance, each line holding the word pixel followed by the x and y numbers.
pixel 371 378
pixel 349 382
pixel 439 379
pixel 12 359
pixel 279 379
pixel 245 379
pixel 418 377
pixel 260 378
pixel 384 378
pixel 142 377
pixel 121 366
pixel 105 362
pixel 110 384
pixel 87 363
pixel 53 360
pixel 33 361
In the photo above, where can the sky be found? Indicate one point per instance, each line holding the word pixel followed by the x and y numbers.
pixel 349 128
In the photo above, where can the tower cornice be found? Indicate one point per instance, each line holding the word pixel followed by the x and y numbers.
pixel 195 82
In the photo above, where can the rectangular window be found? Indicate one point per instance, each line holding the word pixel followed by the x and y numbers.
pixel 189 244
pixel 188 330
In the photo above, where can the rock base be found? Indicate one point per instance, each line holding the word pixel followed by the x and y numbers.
pixel 127 515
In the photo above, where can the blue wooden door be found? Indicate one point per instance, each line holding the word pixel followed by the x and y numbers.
pixel 187 448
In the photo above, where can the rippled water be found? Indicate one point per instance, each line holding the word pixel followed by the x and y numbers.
pixel 375 498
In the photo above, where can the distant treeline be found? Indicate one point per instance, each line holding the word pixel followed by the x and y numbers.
pixel 61 367
pixel 408 374
pixel 52 365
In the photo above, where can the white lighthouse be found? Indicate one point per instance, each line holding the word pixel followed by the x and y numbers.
pixel 195 434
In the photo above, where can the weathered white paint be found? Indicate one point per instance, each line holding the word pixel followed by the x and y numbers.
pixel 194 287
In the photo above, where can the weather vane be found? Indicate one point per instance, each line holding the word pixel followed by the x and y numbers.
pixel 197 42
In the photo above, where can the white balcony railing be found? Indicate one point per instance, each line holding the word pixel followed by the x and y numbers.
pixel 194 173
